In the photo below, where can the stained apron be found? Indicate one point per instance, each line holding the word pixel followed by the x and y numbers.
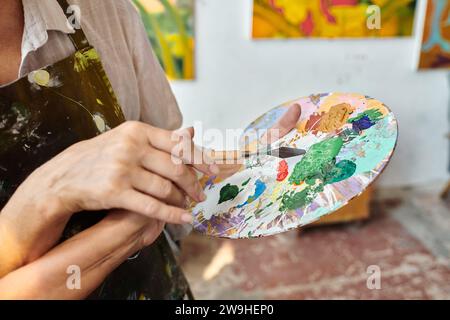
pixel 49 110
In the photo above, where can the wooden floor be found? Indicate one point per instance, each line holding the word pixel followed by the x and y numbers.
pixel 407 239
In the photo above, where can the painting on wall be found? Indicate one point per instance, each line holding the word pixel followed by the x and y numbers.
pixel 170 28
pixel 435 49
pixel 349 140
pixel 332 18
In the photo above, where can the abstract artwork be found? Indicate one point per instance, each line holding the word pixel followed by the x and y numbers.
pixel 348 139
pixel 435 50
pixel 331 18
pixel 170 28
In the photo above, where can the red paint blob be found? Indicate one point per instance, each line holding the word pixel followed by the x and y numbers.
pixel 283 171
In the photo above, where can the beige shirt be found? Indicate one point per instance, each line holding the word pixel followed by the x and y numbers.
pixel 115 29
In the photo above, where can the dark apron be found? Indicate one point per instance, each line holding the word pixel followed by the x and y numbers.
pixel 47 111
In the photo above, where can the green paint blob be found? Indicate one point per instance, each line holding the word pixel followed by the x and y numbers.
pixel 246 182
pixel 348 135
pixel 228 192
pixel 373 114
pixel 341 171
pixel 315 160
pixel 319 164
pixel 293 201
pixel 330 173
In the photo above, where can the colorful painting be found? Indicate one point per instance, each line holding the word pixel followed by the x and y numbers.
pixel 170 28
pixel 332 18
pixel 348 139
pixel 435 51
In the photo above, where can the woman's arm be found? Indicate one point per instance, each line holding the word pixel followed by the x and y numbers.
pixel 96 251
pixel 130 167
pixel 29 228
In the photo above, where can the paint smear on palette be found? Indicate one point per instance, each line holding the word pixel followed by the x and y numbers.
pixel 348 138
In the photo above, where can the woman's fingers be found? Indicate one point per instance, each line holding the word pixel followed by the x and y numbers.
pixel 144 204
pixel 163 165
pixel 198 157
pixel 158 187
pixel 284 125
pixel 180 145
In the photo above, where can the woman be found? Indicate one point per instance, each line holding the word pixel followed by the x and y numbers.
pixel 58 164
pixel 129 168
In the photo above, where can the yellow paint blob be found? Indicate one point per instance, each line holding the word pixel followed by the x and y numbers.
pixel 84 59
pixel 41 77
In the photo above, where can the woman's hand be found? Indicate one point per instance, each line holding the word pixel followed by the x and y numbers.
pixel 129 167
pixel 283 126
pixel 96 251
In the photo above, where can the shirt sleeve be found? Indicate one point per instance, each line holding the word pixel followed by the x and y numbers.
pixel 158 104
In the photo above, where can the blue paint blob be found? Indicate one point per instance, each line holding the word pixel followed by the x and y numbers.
pixel 363 124
pixel 260 187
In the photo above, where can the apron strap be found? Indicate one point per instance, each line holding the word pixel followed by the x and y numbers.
pixel 78 38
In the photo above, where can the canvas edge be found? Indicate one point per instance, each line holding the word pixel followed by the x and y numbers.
pixel 419 29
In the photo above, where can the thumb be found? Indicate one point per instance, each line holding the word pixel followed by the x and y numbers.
pixel 284 125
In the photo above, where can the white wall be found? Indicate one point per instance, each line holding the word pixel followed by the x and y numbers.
pixel 238 79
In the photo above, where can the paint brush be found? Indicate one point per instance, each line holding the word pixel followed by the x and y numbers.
pixel 282 152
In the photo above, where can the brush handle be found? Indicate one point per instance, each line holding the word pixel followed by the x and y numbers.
pixel 237 154
pixel 240 154
pixel 228 155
